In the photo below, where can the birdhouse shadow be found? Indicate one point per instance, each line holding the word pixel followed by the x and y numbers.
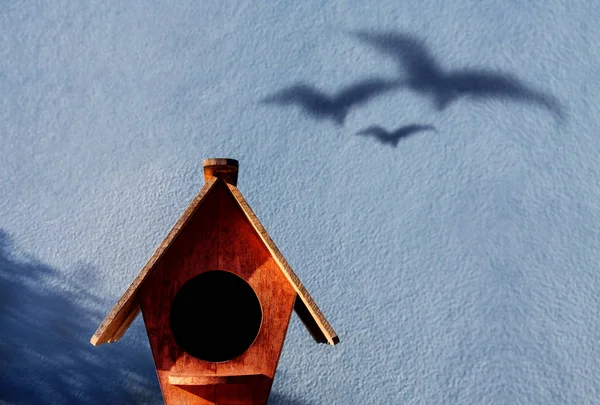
pixel 45 323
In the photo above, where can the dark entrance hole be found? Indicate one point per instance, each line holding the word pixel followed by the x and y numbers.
pixel 215 316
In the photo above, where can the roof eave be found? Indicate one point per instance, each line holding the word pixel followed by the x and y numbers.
pixel 307 309
pixel 127 308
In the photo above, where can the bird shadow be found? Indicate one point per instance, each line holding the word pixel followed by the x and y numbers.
pixel 423 74
pixel 393 137
pixel 46 321
pixel 320 105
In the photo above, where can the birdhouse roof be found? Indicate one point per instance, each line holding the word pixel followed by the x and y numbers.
pixel 127 308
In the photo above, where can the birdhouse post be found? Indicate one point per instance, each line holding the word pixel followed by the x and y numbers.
pixel 216 298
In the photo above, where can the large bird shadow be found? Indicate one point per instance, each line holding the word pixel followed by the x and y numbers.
pixel 420 72
pixel 46 321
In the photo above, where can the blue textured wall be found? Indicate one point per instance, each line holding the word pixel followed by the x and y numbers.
pixel 458 265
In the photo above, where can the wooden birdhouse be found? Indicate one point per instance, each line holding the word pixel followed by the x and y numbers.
pixel 216 297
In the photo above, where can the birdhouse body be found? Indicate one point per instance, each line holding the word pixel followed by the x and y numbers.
pixel 217 238
pixel 216 298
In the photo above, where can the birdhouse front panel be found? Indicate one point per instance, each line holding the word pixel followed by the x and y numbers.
pixel 216 309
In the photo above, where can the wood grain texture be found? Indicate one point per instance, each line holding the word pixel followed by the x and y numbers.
pixel 126 309
pixel 307 309
pixel 215 379
pixel 217 237
pixel 218 231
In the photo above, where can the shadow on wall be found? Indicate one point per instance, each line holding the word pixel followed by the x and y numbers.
pixel 46 322
pixel 419 72
pixel 393 137
pixel 323 106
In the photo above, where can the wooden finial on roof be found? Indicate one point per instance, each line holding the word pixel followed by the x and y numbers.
pixel 225 169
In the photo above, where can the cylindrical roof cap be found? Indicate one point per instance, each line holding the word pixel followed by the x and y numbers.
pixel 225 169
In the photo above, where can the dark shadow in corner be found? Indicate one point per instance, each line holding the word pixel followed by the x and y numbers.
pixel 279 399
pixel 46 322
pixel 424 75
pixel 322 106
pixel 392 138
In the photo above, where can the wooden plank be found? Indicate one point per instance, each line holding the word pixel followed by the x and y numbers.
pixel 309 312
pixel 126 309
pixel 308 321
pixel 215 379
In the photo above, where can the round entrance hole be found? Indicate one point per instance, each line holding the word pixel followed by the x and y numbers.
pixel 215 316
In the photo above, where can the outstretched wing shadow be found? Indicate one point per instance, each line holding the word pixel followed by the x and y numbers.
pixel 423 74
pixel 320 105
pixel 393 137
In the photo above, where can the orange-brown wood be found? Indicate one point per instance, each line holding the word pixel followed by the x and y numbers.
pixel 217 237
pixel 127 308
pixel 218 231
pixel 175 379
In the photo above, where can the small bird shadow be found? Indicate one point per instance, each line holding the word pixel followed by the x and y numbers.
pixel 320 105
pixel 393 137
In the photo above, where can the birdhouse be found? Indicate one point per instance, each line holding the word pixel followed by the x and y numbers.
pixel 216 297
